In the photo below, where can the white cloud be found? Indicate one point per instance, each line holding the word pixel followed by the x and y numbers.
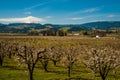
pixel 75 18
pixel 89 10
pixel 27 13
pixel 37 5
pixel 48 17
pixel 97 20
pixel 111 16
pixel 29 19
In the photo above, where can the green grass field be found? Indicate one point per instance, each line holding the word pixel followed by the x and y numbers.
pixel 12 71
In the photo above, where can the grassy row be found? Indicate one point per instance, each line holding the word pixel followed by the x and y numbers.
pixel 12 71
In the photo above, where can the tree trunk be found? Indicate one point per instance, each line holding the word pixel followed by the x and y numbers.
pixel 31 69
pixel 10 55
pixel 103 78
pixel 45 64
pixel 45 68
pixel 95 75
pixel 1 62
pixel 69 71
pixel 115 73
pixel 30 75
pixel 55 63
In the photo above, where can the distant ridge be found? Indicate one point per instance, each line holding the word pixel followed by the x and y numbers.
pixel 25 27
pixel 103 24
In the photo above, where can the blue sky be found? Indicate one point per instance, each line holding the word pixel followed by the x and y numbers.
pixel 59 11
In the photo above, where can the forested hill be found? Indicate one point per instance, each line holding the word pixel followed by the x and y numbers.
pixel 103 24
pixel 26 27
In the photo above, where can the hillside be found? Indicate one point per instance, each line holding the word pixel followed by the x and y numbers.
pixel 26 27
pixel 103 25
